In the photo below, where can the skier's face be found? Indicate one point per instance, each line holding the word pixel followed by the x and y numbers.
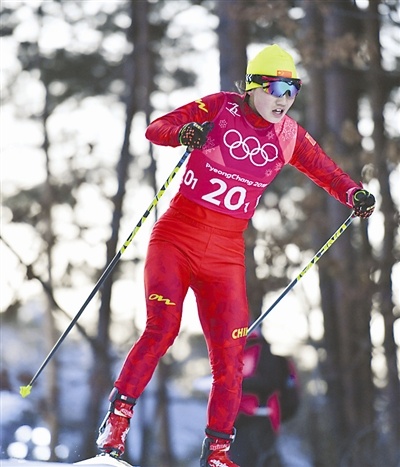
pixel 269 107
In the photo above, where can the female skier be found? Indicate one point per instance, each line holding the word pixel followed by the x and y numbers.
pixel 240 143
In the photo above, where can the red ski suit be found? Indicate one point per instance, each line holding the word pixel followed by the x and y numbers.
pixel 198 242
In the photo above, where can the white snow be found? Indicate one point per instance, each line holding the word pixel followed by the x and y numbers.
pixel 20 463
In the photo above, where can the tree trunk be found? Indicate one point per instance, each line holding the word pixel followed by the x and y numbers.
pixel 232 41
pixel 346 288
pixel 322 427
pixel 378 96
pixel 101 378
pixel 51 394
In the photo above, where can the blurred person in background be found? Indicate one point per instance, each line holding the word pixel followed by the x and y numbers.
pixel 270 396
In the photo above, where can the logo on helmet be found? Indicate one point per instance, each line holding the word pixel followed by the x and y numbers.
pixel 284 73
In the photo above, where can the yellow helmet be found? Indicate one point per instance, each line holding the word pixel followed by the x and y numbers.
pixel 271 61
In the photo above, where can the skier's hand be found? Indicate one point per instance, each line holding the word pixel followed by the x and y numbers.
pixel 363 203
pixel 194 135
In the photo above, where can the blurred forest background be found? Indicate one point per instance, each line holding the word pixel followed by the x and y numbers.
pixel 80 82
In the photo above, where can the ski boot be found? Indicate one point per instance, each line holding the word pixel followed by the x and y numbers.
pixel 115 426
pixel 214 449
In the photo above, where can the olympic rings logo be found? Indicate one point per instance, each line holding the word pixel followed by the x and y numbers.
pixel 249 147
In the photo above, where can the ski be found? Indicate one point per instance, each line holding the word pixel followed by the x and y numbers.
pixel 104 459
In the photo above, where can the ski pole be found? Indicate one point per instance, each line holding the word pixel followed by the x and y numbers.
pixel 317 256
pixel 25 390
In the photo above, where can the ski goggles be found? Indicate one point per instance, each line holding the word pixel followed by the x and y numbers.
pixel 276 86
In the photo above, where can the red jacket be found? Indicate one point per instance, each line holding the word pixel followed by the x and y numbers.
pixel 304 154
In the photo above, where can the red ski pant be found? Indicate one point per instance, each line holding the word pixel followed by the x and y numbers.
pixel 184 253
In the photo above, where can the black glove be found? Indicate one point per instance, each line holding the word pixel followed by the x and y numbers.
pixel 363 203
pixel 194 135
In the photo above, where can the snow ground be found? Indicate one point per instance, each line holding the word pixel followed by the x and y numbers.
pixel 20 463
